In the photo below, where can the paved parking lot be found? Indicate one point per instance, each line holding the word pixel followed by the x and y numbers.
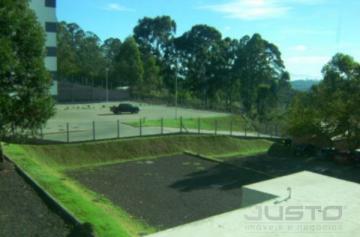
pixel 80 117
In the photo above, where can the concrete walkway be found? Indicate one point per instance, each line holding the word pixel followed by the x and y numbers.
pixel 305 204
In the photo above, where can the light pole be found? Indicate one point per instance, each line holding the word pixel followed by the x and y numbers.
pixel 175 67
pixel 107 84
pixel 176 95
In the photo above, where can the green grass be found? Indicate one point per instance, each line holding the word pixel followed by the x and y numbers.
pixel 87 206
pixel 92 154
pixel 47 164
pixel 223 123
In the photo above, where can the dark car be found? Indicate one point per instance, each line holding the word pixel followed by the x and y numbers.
pixel 125 108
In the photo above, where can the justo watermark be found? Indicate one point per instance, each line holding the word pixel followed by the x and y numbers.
pixel 282 217
pixel 295 219
pixel 296 213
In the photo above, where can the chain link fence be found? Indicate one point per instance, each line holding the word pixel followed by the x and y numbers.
pixel 100 130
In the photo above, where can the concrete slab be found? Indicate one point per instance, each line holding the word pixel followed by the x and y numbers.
pixel 308 204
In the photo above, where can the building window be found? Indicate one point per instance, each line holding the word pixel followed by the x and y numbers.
pixel 51 51
pixel 50 3
pixel 51 27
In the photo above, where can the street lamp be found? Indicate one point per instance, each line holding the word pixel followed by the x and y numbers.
pixel 176 96
pixel 175 67
pixel 107 84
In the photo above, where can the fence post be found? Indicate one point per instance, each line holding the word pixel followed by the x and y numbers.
pixel 67 133
pixel 118 129
pixel 181 124
pixel 215 127
pixel 231 127
pixel 140 131
pixel 162 126
pixel 94 135
pixel 199 125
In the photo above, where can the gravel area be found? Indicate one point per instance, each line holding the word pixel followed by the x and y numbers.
pixel 23 213
pixel 170 191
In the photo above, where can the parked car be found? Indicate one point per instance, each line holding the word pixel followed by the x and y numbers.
pixel 125 108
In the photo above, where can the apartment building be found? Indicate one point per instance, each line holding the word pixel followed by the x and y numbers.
pixel 46 14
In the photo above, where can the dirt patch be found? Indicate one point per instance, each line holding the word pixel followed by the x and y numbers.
pixel 171 191
pixel 22 211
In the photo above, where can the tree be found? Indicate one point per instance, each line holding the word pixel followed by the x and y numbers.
pixel 332 108
pixel 155 39
pixel 129 67
pixel 91 60
pixel 260 68
pixel 152 78
pixel 110 49
pixel 154 34
pixel 25 102
pixel 197 49
pixel 67 56
pixel 81 58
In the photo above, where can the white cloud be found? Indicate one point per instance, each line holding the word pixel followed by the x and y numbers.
pixel 299 48
pixel 115 7
pixel 306 60
pixel 308 66
pixel 249 9
pixel 310 32
pixel 227 28
pixel 257 9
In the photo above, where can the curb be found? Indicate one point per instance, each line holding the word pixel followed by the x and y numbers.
pixel 49 200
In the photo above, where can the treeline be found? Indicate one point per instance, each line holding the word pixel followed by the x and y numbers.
pixel 329 114
pixel 246 74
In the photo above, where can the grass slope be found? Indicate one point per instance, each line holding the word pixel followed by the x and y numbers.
pixel 223 123
pixel 97 153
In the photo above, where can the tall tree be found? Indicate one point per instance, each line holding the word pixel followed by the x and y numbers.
pixel 80 57
pixel 260 68
pixel 197 49
pixel 130 67
pixel 333 109
pixel 152 78
pixel 154 34
pixel 110 49
pixel 67 53
pixel 92 61
pixel 25 102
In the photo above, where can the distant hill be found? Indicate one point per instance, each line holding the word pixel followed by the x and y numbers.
pixel 303 85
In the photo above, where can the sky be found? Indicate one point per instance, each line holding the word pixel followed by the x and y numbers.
pixel 307 32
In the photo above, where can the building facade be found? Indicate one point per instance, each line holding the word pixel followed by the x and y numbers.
pixel 46 14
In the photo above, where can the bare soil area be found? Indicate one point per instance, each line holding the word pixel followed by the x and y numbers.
pixel 170 191
pixel 23 213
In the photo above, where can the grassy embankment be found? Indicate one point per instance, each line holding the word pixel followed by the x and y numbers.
pixel 223 123
pixel 47 165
